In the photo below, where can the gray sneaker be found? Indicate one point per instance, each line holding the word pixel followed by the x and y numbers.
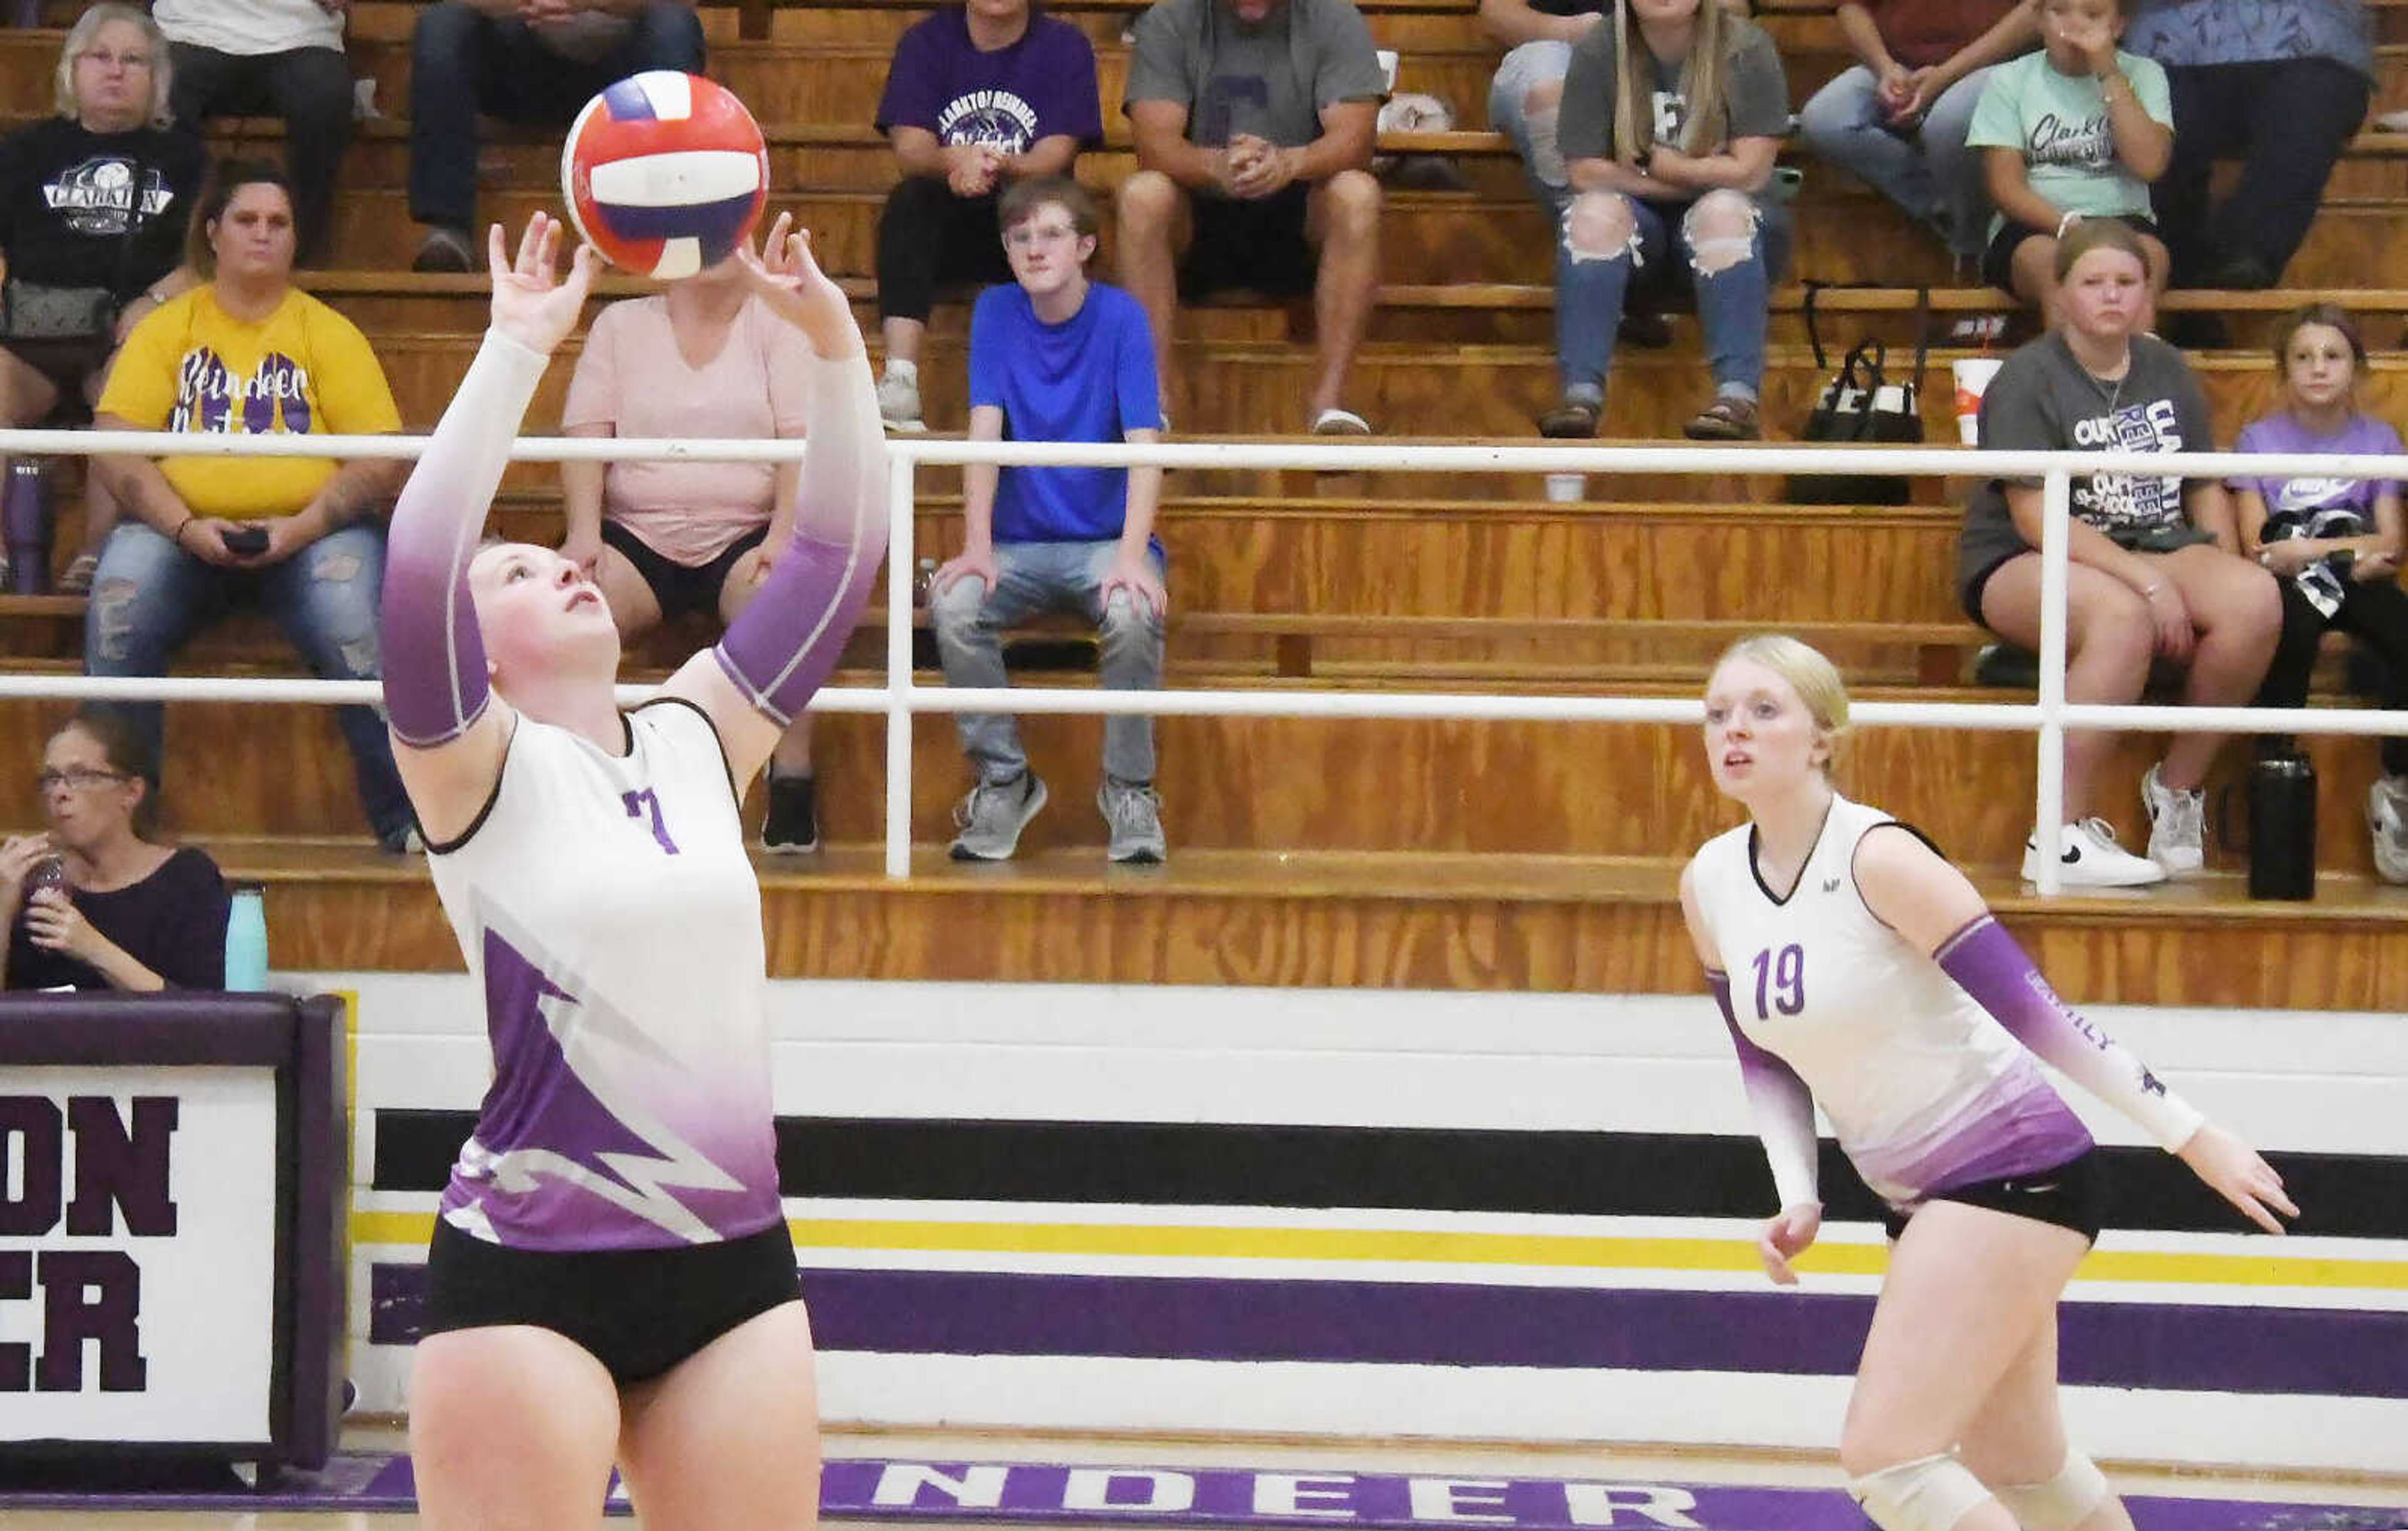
pixel 2386 815
pixel 1133 815
pixel 991 818
pixel 898 404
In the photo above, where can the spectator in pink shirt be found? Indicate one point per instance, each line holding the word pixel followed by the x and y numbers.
pixel 702 358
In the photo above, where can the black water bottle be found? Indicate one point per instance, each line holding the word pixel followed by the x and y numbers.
pixel 2283 829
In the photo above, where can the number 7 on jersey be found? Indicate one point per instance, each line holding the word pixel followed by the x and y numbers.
pixel 638 803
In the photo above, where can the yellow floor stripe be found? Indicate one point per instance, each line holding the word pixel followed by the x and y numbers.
pixel 1390 1246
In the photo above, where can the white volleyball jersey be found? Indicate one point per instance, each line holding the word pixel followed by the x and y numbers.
pixel 607 907
pixel 1923 1089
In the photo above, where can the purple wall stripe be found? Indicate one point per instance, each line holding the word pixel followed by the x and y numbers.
pixel 2145 1345
pixel 1049 1494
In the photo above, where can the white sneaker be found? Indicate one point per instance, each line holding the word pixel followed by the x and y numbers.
pixel 2090 858
pixel 2386 815
pixel 898 403
pixel 2177 825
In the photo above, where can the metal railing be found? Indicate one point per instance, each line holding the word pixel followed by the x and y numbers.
pixel 2049 717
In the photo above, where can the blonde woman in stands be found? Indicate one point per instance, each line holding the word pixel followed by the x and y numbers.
pixel 2077 129
pixel 610 1278
pixel 94 201
pixel 2333 544
pixel 704 358
pixel 1673 112
pixel 2155 573
pixel 1858 972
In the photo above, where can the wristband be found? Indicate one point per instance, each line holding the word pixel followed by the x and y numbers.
pixel 2066 222
pixel 177 536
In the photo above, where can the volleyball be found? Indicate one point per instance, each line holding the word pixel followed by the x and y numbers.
pixel 665 172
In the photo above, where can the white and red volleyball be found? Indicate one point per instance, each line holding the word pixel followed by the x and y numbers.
pixel 665 172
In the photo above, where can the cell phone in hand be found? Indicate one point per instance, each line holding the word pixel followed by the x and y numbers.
pixel 245 541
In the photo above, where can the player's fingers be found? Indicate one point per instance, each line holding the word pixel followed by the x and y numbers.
pixel 2255 1212
pixel 497 255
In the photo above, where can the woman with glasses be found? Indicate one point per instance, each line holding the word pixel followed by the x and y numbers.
pixel 98 902
pixel 94 202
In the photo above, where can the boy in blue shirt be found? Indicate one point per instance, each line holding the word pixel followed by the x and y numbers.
pixel 1056 357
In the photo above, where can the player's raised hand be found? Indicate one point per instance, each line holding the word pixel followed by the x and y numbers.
pixel 533 304
pixel 786 276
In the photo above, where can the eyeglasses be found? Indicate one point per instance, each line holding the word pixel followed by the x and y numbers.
pixel 1029 235
pixel 82 778
pixel 103 57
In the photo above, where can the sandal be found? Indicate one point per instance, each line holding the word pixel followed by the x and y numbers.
pixel 1573 418
pixel 77 580
pixel 1728 419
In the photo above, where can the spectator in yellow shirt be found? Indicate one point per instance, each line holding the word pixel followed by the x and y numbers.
pixel 248 353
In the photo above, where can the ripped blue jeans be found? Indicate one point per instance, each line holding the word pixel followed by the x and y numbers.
pixel 148 596
pixel 1606 240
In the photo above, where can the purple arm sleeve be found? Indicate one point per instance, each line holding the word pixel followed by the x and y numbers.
pixel 1986 964
pixel 783 644
pixel 1780 1103
pixel 433 656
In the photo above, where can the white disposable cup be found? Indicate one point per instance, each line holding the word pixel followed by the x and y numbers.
pixel 1387 57
pixel 1973 374
pixel 1566 488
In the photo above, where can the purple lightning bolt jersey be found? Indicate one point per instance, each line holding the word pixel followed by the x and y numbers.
pixel 607 907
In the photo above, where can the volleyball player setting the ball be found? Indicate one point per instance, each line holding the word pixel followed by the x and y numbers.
pixel 1857 967
pixel 611 1276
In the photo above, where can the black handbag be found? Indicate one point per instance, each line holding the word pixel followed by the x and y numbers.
pixel 39 312
pixel 43 311
pixel 1860 406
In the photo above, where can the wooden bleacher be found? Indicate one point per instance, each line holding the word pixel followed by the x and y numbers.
pixel 1432 853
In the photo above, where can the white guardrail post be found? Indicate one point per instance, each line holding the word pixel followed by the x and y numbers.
pixel 2055 535
pixel 902 569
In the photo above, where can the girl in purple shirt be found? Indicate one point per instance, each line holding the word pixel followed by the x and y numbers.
pixel 2333 544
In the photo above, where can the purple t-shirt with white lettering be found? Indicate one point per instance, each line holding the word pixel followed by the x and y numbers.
pixel 1039 87
pixel 2316 497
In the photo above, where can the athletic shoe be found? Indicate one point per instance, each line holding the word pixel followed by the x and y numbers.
pixel 2177 825
pixel 403 841
pixel 898 403
pixel 1133 815
pixel 2386 815
pixel 792 826
pixel 446 251
pixel 991 818
pixel 2090 858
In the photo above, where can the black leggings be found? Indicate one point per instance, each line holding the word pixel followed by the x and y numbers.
pixel 2377 615
pixel 927 236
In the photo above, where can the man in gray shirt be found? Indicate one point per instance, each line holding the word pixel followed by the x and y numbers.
pixel 1253 122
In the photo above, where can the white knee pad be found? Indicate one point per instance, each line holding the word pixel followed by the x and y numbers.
pixel 2062 1503
pixel 1928 1494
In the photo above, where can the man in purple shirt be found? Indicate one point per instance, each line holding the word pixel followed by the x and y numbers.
pixel 980 95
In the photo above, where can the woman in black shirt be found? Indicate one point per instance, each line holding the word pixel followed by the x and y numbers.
pixel 96 902
pixel 93 206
